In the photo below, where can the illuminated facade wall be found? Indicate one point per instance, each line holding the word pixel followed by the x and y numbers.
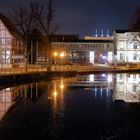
pixel 9 48
pixel 127 47
pixel 86 51
pixel 122 47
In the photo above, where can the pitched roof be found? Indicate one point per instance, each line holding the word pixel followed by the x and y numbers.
pixel 10 26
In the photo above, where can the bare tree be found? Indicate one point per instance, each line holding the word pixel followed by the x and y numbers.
pixel 44 16
pixel 36 16
pixel 134 24
pixel 23 18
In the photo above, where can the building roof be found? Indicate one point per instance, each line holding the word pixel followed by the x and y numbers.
pixel 121 31
pixel 72 38
pixel 98 38
pixel 97 41
pixel 85 41
pixel 64 37
pixel 10 26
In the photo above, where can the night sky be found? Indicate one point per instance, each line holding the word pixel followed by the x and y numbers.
pixel 83 17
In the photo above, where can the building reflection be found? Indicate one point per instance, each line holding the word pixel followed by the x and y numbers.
pixel 127 87
pixel 11 95
pixel 102 81
pixel 8 97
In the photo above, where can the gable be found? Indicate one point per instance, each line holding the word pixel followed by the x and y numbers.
pixel 4 32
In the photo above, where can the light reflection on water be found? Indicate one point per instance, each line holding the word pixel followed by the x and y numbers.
pixel 82 107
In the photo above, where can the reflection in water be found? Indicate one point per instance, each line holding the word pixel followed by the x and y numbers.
pixel 8 97
pixel 92 81
pixel 127 87
pixel 57 107
pixel 79 107
pixel 11 95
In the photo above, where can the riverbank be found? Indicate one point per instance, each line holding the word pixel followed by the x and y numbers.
pixel 28 77
pixel 57 71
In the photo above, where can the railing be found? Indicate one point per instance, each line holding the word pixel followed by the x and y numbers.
pixel 19 70
pixel 64 68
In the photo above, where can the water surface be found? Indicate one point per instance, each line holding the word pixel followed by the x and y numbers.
pixel 87 107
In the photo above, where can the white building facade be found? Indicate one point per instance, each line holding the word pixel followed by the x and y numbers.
pixel 127 47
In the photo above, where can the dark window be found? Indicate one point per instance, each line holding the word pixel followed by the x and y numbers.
pixel 135 45
pixel 134 88
pixel 121 56
pixel 135 57
pixel 121 76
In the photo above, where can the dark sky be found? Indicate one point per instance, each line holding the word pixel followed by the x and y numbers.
pixel 83 17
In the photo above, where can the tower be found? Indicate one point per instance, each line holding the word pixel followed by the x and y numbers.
pixel 102 33
pixel 107 33
pixel 96 33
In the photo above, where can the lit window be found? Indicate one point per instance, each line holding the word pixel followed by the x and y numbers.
pixel 91 57
pixel 110 56
pixel 3 41
pixel 8 52
pixel 134 77
pixel 121 87
pixel 91 77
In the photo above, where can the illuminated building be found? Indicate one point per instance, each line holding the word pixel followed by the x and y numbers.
pixel 11 44
pixel 127 46
pixel 123 47
pixel 8 97
pixel 99 50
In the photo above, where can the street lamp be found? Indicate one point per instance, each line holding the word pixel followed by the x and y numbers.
pixel 62 54
pixel 59 56
pixel 55 54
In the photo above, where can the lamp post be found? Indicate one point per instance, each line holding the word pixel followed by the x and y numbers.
pixel 62 54
pixel 59 56
pixel 55 55
pixel 31 52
